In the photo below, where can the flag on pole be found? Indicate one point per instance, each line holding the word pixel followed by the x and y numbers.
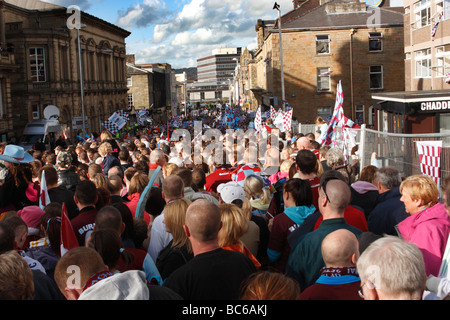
pixel 258 119
pixel 273 113
pixel 430 159
pixel 433 30
pixel 287 120
pixel 68 238
pixel 337 114
pixel 44 199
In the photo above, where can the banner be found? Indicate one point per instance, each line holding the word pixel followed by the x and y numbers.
pixel 430 159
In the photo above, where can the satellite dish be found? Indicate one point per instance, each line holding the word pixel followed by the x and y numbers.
pixel 51 112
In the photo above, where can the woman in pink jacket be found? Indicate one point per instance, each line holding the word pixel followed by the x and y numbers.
pixel 428 225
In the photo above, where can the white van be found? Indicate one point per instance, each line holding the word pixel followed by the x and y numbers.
pixel 46 130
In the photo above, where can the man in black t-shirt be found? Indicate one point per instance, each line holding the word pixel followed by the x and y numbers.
pixel 214 273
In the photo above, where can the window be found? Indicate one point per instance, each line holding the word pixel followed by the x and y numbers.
pixel 422 13
pixel 375 42
pixel 324 112
pixel 376 77
pixel 129 82
pixel 35 111
pixel 359 114
pixel 443 9
pixel 322 44
pixel 130 101
pixel 423 63
pixel 323 79
pixel 442 60
pixel 37 65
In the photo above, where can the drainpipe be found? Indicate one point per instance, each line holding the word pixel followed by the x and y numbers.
pixel 352 32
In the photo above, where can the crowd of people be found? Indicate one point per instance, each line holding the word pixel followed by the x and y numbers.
pixel 152 226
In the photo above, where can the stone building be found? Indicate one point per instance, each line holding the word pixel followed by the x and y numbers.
pixel 48 73
pixel 338 40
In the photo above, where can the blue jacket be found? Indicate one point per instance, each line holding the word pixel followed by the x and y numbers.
pixel 387 213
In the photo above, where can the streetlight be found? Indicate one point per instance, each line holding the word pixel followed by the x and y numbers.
pixel 78 27
pixel 276 6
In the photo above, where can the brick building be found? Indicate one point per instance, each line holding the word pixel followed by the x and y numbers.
pixel 47 68
pixel 424 106
pixel 338 40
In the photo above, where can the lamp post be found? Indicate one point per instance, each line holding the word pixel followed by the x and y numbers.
pixel 283 98
pixel 78 27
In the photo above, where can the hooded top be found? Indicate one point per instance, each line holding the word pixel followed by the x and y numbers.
pixel 429 230
pixel 129 285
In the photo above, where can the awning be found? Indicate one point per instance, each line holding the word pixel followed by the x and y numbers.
pixel 408 102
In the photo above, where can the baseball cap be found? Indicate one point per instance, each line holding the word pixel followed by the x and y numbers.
pixel 231 191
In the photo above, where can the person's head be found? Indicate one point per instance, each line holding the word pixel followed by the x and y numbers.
pixel 168 169
pixel 138 183
pixel 100 180
pixel 334 194
pixel 340 248
pixel 109 217
pixel 304 143
pixel 268 285
pixel 185 174
pixel 20 229
pixel 368 174
pixel 64 160
pixel 203 223
pixel 174 219
pixel 85 193
pixel 231 192
pixel 297 192
pixel 319 121
pixel 108 244
pixel 157 157
pixel 94 169
pixel 306 161
pixel 115 171
pixel 255 187
pixel 387 178
pixel 6 238
pixel 115 185
pixel 105 135
pixel 172 188
pixel 104 149
pixel 390 269
pixel 51 176
pixel 335 158
pixel 86 261
pixel 199 178
pixel 418 192
pixel 234 224
pixel 16 278
pixel 286 165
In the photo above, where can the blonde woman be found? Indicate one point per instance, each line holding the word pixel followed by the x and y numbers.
pixel 106 136
pixel 109 160
pixel 323 127
pixel 258 194
pixel 428 225
pixel 234 225
pixel 179 251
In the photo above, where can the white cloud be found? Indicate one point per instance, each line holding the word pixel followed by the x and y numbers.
pixel 197 27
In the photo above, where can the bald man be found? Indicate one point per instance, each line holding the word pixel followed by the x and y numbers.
pixel 305 260
pixel 214 273
pixel 339 280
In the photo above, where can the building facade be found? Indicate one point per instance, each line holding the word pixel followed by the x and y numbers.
pixel 216 77
pixel 47 59
pixel 424 106
pixel 336 41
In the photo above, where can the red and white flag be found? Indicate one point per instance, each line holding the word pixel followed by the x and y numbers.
pixel 68 238
pixel 273 113
pixel 430 159
pixel 287 120
pixel 258 119
pixel 44 199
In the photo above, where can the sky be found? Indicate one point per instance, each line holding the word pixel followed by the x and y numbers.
pixel 179 32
